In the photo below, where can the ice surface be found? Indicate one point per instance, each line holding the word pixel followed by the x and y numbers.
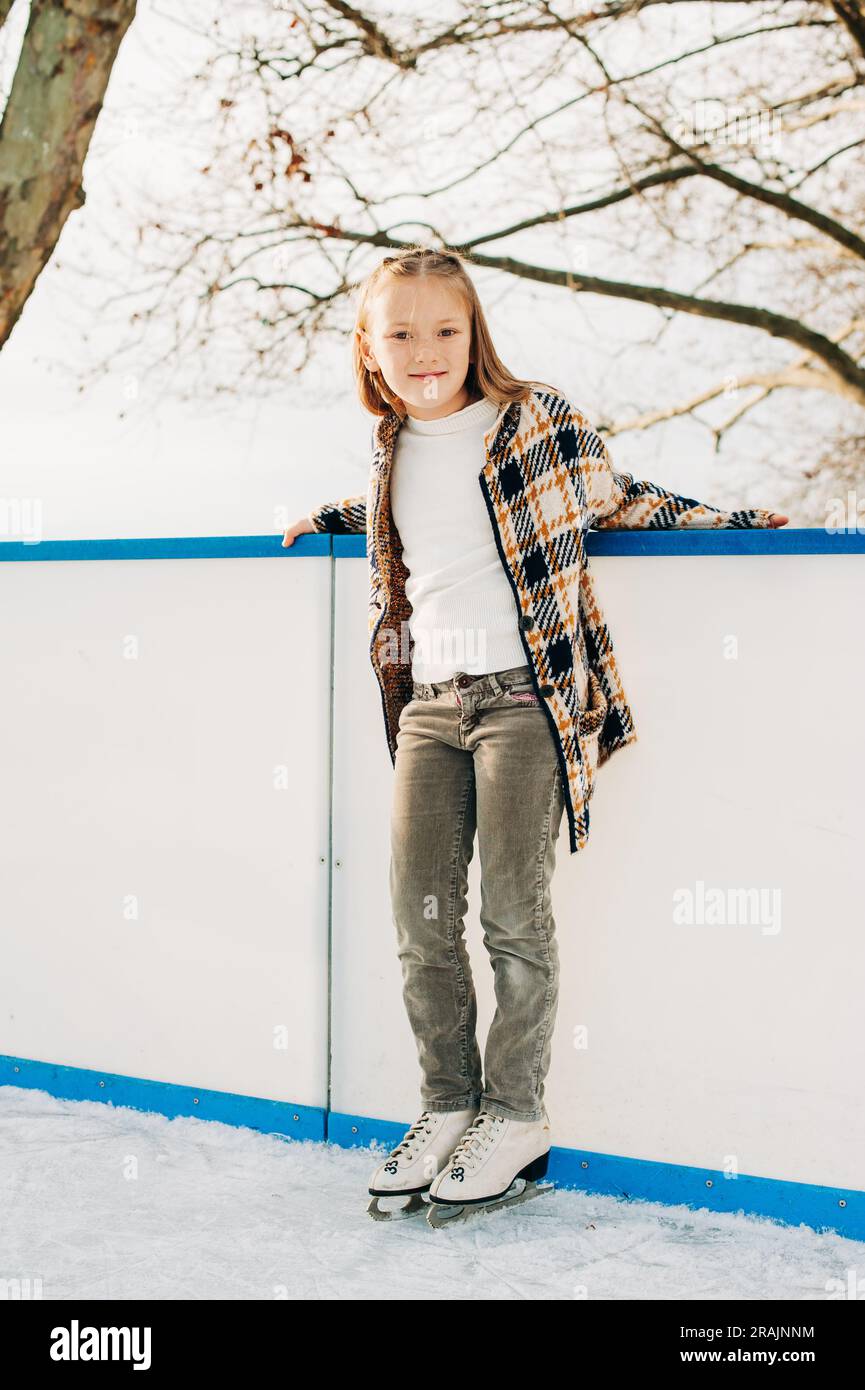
pixel 108 1202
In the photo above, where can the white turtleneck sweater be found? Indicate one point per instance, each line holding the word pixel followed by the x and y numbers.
pixel 464 614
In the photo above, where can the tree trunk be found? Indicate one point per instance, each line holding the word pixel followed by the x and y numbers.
pixel 66 60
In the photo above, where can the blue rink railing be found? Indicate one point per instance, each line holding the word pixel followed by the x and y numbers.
pixel 688 541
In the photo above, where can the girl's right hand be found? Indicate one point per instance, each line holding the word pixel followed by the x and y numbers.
pixel 299 528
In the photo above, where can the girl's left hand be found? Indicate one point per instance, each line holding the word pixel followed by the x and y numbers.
pixel 776 519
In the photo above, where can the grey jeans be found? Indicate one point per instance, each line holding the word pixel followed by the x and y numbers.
pixel 475 755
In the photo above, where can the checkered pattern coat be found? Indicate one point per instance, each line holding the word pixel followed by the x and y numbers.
pixel 547 479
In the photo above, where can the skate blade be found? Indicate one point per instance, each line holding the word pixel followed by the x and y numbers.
pixel 401 1206
pixel 439 1215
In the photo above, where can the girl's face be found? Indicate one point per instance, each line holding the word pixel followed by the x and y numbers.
pixel 419 337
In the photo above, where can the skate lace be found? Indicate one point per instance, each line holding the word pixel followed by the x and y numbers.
pixel 411 1136
pixel 476 1139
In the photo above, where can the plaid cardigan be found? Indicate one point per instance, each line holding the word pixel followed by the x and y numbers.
pixel 547 479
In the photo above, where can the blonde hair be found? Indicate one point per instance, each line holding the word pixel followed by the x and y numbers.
pixel 487 375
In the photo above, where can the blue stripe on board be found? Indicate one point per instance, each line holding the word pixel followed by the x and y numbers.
pixel 282 1117
pixel 695 541
pixel 836 1209
pixel 635 1179
pixel 698 541
pixel 166 548
pixel 689 541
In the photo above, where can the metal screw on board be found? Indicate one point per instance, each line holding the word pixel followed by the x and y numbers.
pixel 102 1083
pixel 195 1100
pixel 709 1182
pixel 295 1117
pixel 842 1201
pixel 354 1129
pixel 338 863
pixel 584 1163
pixel 321 859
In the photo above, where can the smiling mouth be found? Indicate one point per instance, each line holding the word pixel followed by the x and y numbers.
pixel 419 375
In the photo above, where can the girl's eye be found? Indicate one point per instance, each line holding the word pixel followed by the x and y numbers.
pixel 401 332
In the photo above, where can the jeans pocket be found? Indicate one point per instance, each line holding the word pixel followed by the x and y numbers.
pixel 520 694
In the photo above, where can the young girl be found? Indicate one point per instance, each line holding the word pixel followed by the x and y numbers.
pixel 501 698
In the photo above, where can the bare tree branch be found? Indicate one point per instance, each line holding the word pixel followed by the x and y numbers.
pixel 790 206
pixel 798 373
pixel 851 13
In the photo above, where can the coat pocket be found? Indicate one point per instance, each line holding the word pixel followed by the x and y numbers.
pixel 591 722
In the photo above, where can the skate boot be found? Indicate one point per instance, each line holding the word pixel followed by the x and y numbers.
pixel 399 1185
pixel 496 1163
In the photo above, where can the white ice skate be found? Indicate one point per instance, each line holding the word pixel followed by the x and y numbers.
pixel 403 1180
pixel 497 1163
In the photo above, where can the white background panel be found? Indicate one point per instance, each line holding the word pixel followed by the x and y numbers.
pixel 160 778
